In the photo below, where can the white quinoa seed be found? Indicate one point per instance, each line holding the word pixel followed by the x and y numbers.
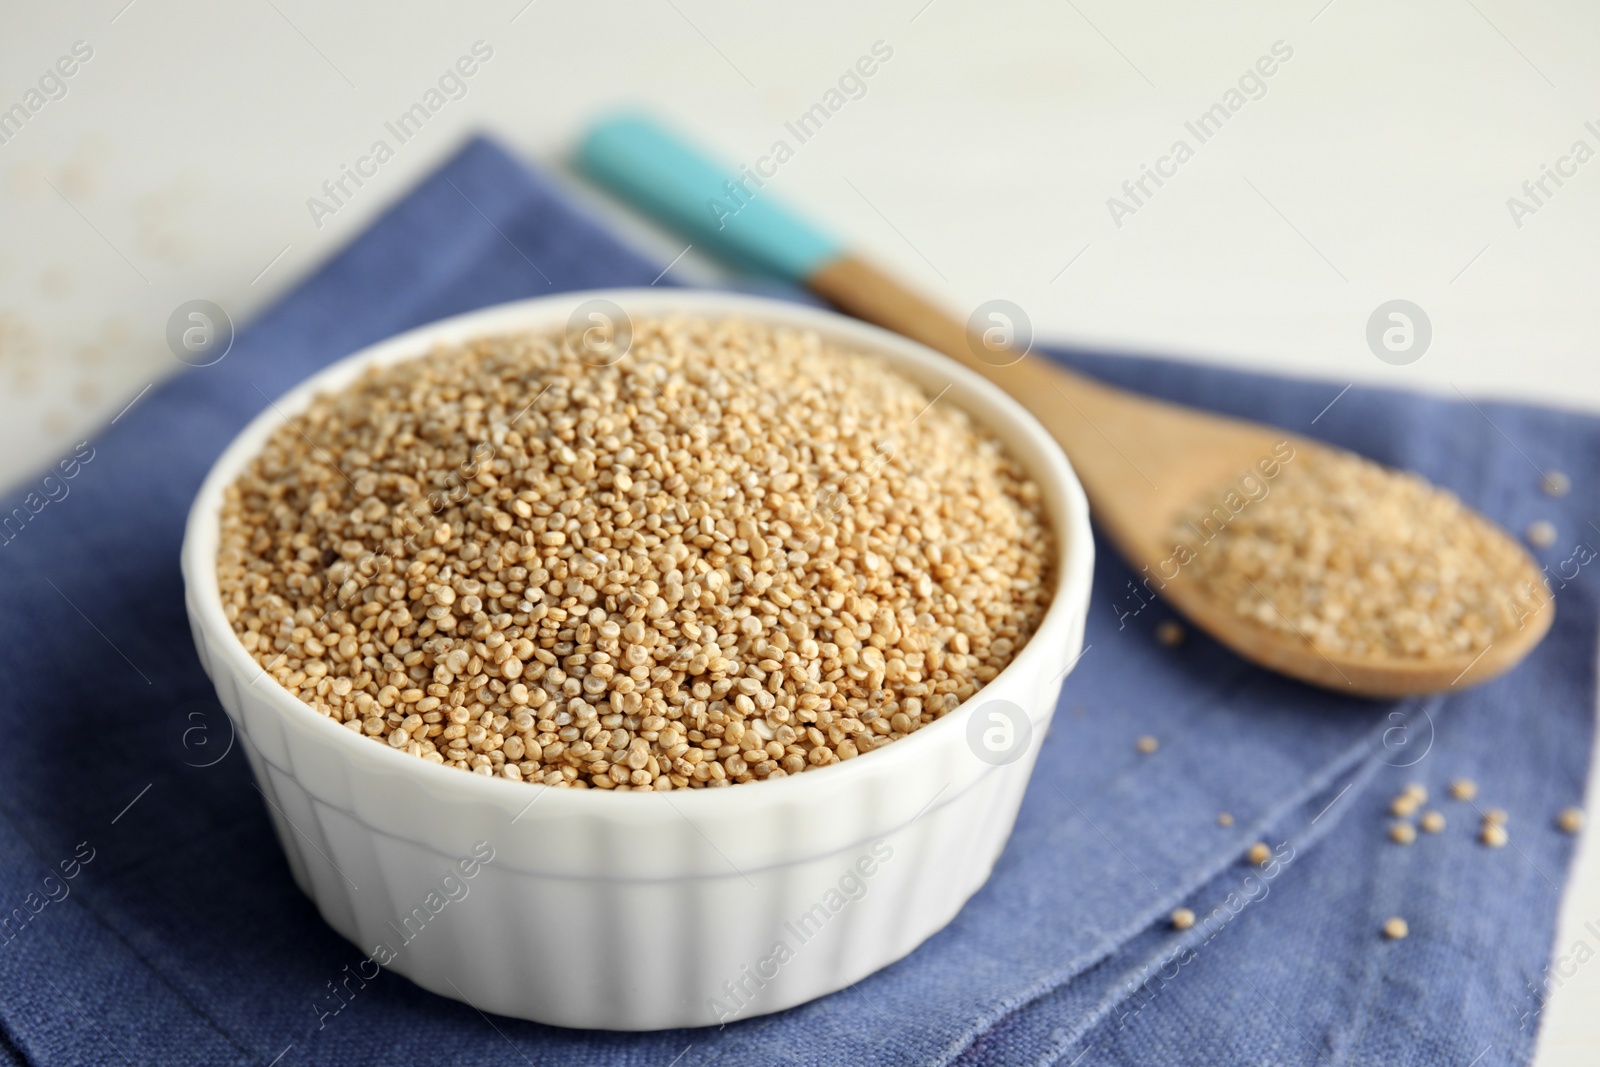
pixel 1570 820
pixel 1541 533
pixel 1463 789
pixel 1170 633
pixel 1182 919
pixel 737 554
pixel 1402 833
pixel 1555 483
pixel 1404 806
pixel 1259 853
pixel 1432 822
pixel 1225 819
pixel 1395 928
pixel 1147 744
pixel 1493 834
pixel 1358 560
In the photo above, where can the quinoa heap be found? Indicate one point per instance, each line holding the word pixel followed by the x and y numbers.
pixel 1361 560
pixel 738 553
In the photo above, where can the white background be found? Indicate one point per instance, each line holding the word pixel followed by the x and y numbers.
pixel 1377 166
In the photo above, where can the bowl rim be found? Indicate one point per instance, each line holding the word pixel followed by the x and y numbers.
pixel 1048 466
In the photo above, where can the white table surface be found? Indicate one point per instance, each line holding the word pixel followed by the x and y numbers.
pixel 1377 165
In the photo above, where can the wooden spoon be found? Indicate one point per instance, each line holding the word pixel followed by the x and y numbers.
pixel 1144 463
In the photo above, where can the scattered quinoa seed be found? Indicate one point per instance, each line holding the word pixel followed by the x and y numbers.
pixel 1259 853
pixel 1570 820
pixel 1433 822
pixel 1225 819
pixel 1541 533
pixel 1182 919
pixel 1493 835
pixel 741 552
pixel 1402 833
pixel 1395 928
pixel 1495 817
pixel 1404 806
pixel 1463 789
pixel 1555 483
pixel 1170 633
pixel 1416 790
pixel 1358 560
pixel 1147 744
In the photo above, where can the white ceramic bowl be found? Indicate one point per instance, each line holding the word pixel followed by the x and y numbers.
pixel 635 911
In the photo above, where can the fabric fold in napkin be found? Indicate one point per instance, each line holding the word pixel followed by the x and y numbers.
pixel 153 919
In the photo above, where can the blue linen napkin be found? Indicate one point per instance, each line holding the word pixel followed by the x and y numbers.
pixel 147 915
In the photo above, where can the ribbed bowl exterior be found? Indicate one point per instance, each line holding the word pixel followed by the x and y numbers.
pixel 592 909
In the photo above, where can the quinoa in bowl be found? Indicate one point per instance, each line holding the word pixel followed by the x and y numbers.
pixel 737 553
